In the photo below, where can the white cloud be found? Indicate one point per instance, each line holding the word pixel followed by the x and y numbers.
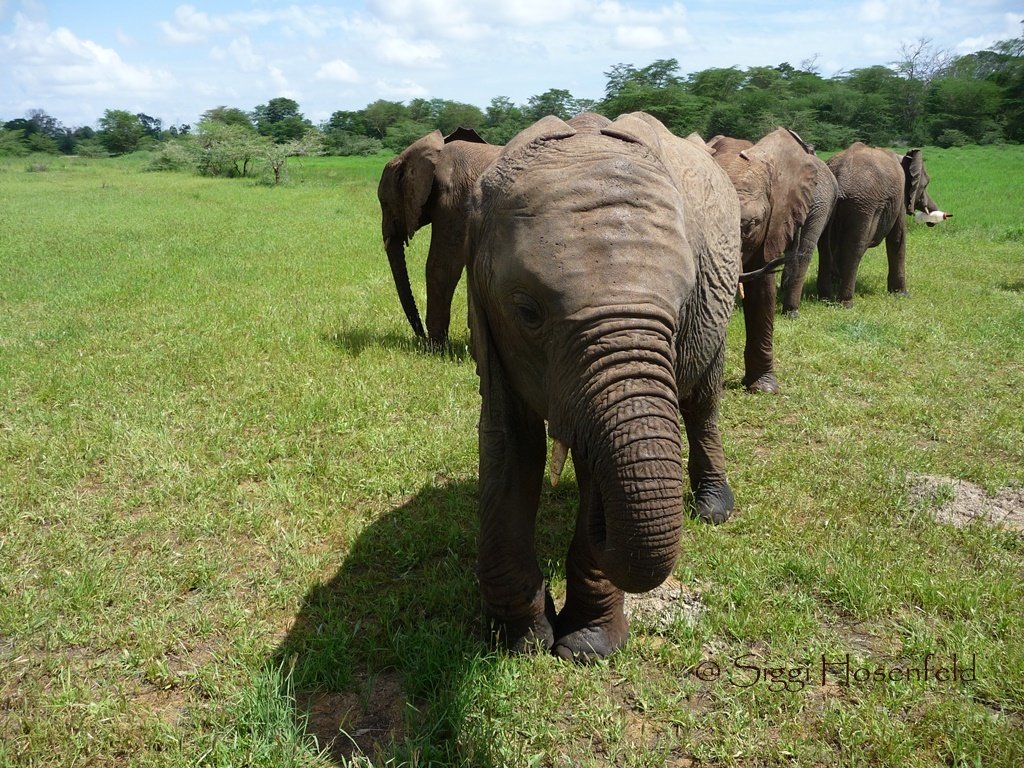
pixel 245 56
pixel 408 54
pixel 639 38
pixel 337 71
pixel 278 78
pixel 406 89
pixel 190 26
pixel 56 59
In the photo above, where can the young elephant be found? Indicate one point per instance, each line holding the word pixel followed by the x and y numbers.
pixel 783 207
pixel 604 259
pixel 876 189
pixel 430 183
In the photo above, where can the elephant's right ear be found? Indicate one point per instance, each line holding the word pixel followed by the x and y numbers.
pixel 406 184
pixel 913 172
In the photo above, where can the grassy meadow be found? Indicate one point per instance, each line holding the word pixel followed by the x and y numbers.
pixel 237 502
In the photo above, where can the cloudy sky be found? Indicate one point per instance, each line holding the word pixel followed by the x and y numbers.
pixel 173 61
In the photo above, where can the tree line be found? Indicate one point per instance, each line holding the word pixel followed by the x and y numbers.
pixel 927 96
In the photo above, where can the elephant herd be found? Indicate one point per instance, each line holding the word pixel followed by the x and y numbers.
pixel 603 260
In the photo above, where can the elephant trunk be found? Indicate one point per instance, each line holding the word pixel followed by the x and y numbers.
pixel 394 244
pixel 632 449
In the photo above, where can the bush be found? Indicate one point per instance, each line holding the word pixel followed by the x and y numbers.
pixel 350 145
pixel 951 137
pixel 173 156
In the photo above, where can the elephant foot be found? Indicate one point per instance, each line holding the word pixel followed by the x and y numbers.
pixel 587 643
pixel 713 501
pixel 532 634
pixel 901 292
pixel 766 383
pixel 791 314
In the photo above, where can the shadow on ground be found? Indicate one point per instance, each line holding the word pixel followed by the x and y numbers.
pixel 381 654
pixel 355 341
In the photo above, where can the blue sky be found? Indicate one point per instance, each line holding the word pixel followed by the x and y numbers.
pixel 175 60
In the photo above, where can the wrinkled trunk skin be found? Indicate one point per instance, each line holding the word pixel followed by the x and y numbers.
pixel 627 450
pixel 395 245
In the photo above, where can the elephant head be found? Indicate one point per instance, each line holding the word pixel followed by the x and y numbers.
pixel 430 183
pixel 775 180
pixel 915 190
pixel 603 260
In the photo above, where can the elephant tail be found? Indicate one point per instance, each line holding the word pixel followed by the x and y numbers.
pixel 395 247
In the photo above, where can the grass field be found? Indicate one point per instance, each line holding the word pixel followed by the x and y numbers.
pixel 237 503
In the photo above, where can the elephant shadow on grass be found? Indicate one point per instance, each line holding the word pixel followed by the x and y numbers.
pixel 354 341
pixel 866 285
pixel 381 658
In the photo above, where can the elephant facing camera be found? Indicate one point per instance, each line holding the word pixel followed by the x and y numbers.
pixel 603 259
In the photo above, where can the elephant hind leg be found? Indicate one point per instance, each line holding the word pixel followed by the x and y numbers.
pixel 445 263
pixel 895 250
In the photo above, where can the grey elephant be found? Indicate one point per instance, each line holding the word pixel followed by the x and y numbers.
pixel 603 264
pixel 877 189
pixel 786 195
pixel 430 182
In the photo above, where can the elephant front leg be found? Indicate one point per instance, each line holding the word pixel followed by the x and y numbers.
pixel 592 625
pixel 713 497
pixel 518 606
pixel 759 320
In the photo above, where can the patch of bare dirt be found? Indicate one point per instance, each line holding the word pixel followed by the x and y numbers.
pixel 663 606
pixel 959 503
pixel 350 725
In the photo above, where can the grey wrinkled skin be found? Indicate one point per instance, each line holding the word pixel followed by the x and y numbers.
pixel 877 190
pixel 430 182
pixel 823 201
pixel 603 262
pixel 784 204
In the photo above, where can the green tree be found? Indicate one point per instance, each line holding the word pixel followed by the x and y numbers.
pixel 454 114
pixel 405 132
pixel 381 115
pixel 228 116
pixel 555 101
pixel 120 131
pixel 502 120
pixel 223 149
pixel 281 120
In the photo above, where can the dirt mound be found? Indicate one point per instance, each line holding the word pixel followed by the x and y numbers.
pixel 662 606
pixel 958 502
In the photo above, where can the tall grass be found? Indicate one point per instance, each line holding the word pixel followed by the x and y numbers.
pixel 237 502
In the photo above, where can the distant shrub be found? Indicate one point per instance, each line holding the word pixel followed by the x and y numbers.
pixel 951 137
pixel 37 168
pixel 172 156
pixel 351 145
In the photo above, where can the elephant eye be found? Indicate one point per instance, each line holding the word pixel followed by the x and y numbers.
pixel 528 311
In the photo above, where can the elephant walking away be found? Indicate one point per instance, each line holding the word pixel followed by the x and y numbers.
pixel 786 195
pixel 602 272
pixel 877 190
pixel 430 182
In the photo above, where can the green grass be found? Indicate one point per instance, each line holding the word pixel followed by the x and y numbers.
pixel 237 502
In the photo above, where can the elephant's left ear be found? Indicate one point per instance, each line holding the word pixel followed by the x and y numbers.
pixel 791 171
pixel 913 172
pixel 464 134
